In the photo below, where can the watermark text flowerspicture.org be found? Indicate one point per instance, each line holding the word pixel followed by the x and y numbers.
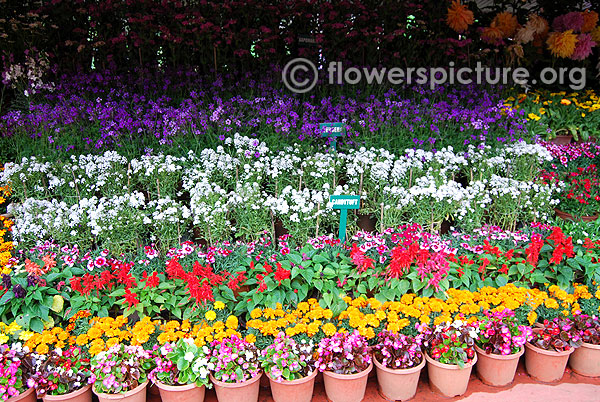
pixel 301 75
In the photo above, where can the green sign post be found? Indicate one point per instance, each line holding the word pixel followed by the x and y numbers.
pixel 344 203
pixel 332 130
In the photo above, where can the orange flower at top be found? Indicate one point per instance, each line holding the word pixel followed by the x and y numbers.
pixel 459 16
pixel 562 44
pixel 32 267
pixel 506 23
pixel 590 19
pixel 49 262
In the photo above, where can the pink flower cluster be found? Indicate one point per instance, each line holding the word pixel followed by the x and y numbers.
pixel 500 334
pixel 287 360
pixel 235 360
pixel 344 353
pixel 11 374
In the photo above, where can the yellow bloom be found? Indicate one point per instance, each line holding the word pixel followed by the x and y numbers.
pixel 3 339
pixel 256 313
pixel 562 44
pixel 219 305
pixel 210 315
pixel 232 322
pixel 533 116
pixel 329 329
pixel 250 338
pixel 565 102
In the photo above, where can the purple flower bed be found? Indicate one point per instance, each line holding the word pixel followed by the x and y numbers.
pixel 144 110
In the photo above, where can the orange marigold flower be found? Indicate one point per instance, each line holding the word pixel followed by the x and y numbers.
pixel 562 44
pixel 491 35
pixel 459 16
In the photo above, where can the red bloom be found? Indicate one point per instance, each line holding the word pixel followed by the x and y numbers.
pixel 152 281
pixel 174 269
pixel 131 298
pixel 282 273
pixel 359 258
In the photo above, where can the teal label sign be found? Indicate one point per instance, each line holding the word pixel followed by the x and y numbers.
pixel 332 130
pixel 344 203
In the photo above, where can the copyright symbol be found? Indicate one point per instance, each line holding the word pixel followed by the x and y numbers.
pixel 293 72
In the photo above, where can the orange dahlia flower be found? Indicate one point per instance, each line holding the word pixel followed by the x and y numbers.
pixel 562 44
pixel 459 16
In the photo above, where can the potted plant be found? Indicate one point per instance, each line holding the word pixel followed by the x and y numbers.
pixel 499 347
pixel 585 360
pixel 63 376
pixel 120 373
pixel 290 367
pixel 237 372
pixel 398 361
pixel 182 371
pixel 546 355
pixel 450 355
pixel 345 361
pixel 14 368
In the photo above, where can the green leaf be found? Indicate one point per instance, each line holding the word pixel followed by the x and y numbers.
pixel 295 258
pixel 36 325
pixel 501 280
pixel 6 297
pixel 307 274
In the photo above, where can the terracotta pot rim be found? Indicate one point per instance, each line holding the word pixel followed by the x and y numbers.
pixel 349 376
pixel 22 395
pixel 294 382
pixel 434 362
pixel 590 346
pixel 67 396
pixel 500 357
pixel 541 351
pixel 167 387
pixel 124 394
pixel 573 217
pixel 236 384
pixel 410 370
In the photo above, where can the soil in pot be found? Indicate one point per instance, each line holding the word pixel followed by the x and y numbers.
pixel 449 379
pixel 585 360
pixel 400 384
pixel 497 370
pixel 246 391
pixel 545 365
pixel 300 390
pixel 346 387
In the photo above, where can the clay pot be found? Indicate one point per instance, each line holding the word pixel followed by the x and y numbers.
pixel 497 370
pixel 81 395
pixel 180 393
pixel 561 139
pixel 449 379
pixel 246 391
pixel 568 217
pixel 138 394
pixel 545 365
pixel 300 390
pixel 398 384
pixel 27 396
pixel 346 387
pixel 585 360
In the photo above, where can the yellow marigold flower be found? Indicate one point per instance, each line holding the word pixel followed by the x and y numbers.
pixel 94 333
pixel 256 313
pixel 232 322
pixel 565 102
pixel 551 303
pixel 562 44
pixel 328 314
pixel 459 16
pixel 532 317
pixel 380 315
pixel 26 335
pixel 250 338
pixel 3 339
pixel 329 329
pixel 42 349
pixel 533 116
pixel 82 340
pixel 210 315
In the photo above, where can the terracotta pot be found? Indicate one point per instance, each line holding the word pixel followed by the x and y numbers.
pixel 545 365
pixel 497 370
pixel 153 390
pixel 346 387
pixel 181 393
pixel 81 395
pixel 399 384
pixel 246 391
pixel 449 379
pixel 561 139
pixel 138 394
pixel 568 217
pixel 300 390
pixel 585 360
pixel 27 396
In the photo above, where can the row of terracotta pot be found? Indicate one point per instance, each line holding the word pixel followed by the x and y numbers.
pixel 448 380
